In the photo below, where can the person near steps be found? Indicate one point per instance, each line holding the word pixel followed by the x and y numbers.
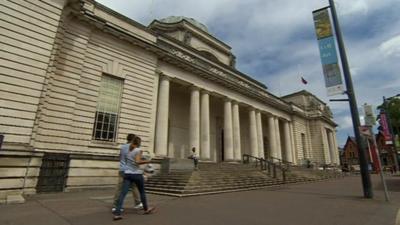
pixel 133 174
pixel 195 158
pixel 135 192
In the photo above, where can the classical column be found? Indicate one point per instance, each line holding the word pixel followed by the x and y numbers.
pixel 272 137
pixel 237 153
pixel 294 147
pixel 228 132
pixel 331 147
pixel 205 125
pixel 194 121
pixel 278 139
pixel 253 132
pixel 161 147
pixel 260 136
pixel 325 144
pixel 288 144
pixel 337 160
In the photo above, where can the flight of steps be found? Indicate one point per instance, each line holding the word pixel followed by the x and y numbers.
pixel 297 172
pixel 211 178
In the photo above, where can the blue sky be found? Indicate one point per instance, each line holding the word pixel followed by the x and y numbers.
pixel 274 42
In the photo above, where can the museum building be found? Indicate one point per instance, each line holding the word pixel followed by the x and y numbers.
pixel 76 77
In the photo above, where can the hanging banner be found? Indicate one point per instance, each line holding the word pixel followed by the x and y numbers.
pixel 327 50
pixel 385 128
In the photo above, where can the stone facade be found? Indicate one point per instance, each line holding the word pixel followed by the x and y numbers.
pixel 176 84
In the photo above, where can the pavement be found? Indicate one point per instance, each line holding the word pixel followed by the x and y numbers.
pixel 332 202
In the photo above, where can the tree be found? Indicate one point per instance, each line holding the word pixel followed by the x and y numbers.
pixel 392 109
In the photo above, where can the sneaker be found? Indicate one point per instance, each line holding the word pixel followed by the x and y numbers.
pixel 115 209
pixel 150 210
pixel 138 206
pixel 117 217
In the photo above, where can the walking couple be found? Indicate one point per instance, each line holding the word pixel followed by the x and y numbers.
pixel 130 175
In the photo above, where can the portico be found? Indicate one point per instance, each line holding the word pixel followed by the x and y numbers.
pixel 219 127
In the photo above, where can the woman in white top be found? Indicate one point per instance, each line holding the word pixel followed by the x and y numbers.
pixel 133 174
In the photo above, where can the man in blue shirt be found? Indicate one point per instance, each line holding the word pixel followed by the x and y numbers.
pixel 124 150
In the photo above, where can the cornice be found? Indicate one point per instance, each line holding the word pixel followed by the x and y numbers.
pixel 186 25
pixel 192 50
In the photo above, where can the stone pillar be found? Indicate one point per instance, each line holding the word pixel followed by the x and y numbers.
pixel 260 136
pixel 325 144
pixel 278 139
pixel 253 132
pixel 161 145
pixel 194 119
pixel 272 136
pixel 228 132
pixel 337 157
pixel 288 144
pixel 236 132
pixel 294 146
pixel 205 126
pixel 331 147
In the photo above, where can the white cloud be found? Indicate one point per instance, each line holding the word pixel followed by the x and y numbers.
pixel 345 122
pixel 352 7
pixel 391 47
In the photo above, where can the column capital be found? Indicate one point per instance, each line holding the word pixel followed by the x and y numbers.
pixel 259 111
pixel 204 91
pixel 235 102
pixel 159 72
pixel 164 77
pixel 227 99
pixel 194 88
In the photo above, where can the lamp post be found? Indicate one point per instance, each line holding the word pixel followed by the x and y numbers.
pixel 366 179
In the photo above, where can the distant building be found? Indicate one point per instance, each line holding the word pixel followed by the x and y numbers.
pixel 350 152
pixel 386 152
pixel 387 155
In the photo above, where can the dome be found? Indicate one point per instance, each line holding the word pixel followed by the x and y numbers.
pixel 176 19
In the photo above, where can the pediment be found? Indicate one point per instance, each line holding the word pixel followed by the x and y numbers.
pixel 195 34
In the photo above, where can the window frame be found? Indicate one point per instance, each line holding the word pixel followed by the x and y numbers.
pixel 117 114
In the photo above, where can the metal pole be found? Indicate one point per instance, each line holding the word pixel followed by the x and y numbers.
pixel 365 177
pixel 379 164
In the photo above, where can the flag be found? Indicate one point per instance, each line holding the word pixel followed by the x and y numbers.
pixel 303 80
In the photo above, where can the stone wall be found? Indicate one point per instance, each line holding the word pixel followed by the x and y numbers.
pixel 28 32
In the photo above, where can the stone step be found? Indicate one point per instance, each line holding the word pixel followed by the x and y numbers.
pixel 208 189
pixel 226 177
pixel 214 184
pixel 211 181
pixel 211 192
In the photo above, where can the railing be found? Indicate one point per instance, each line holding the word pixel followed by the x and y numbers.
pixel 268 164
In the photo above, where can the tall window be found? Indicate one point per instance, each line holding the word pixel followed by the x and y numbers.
pixel 108 103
